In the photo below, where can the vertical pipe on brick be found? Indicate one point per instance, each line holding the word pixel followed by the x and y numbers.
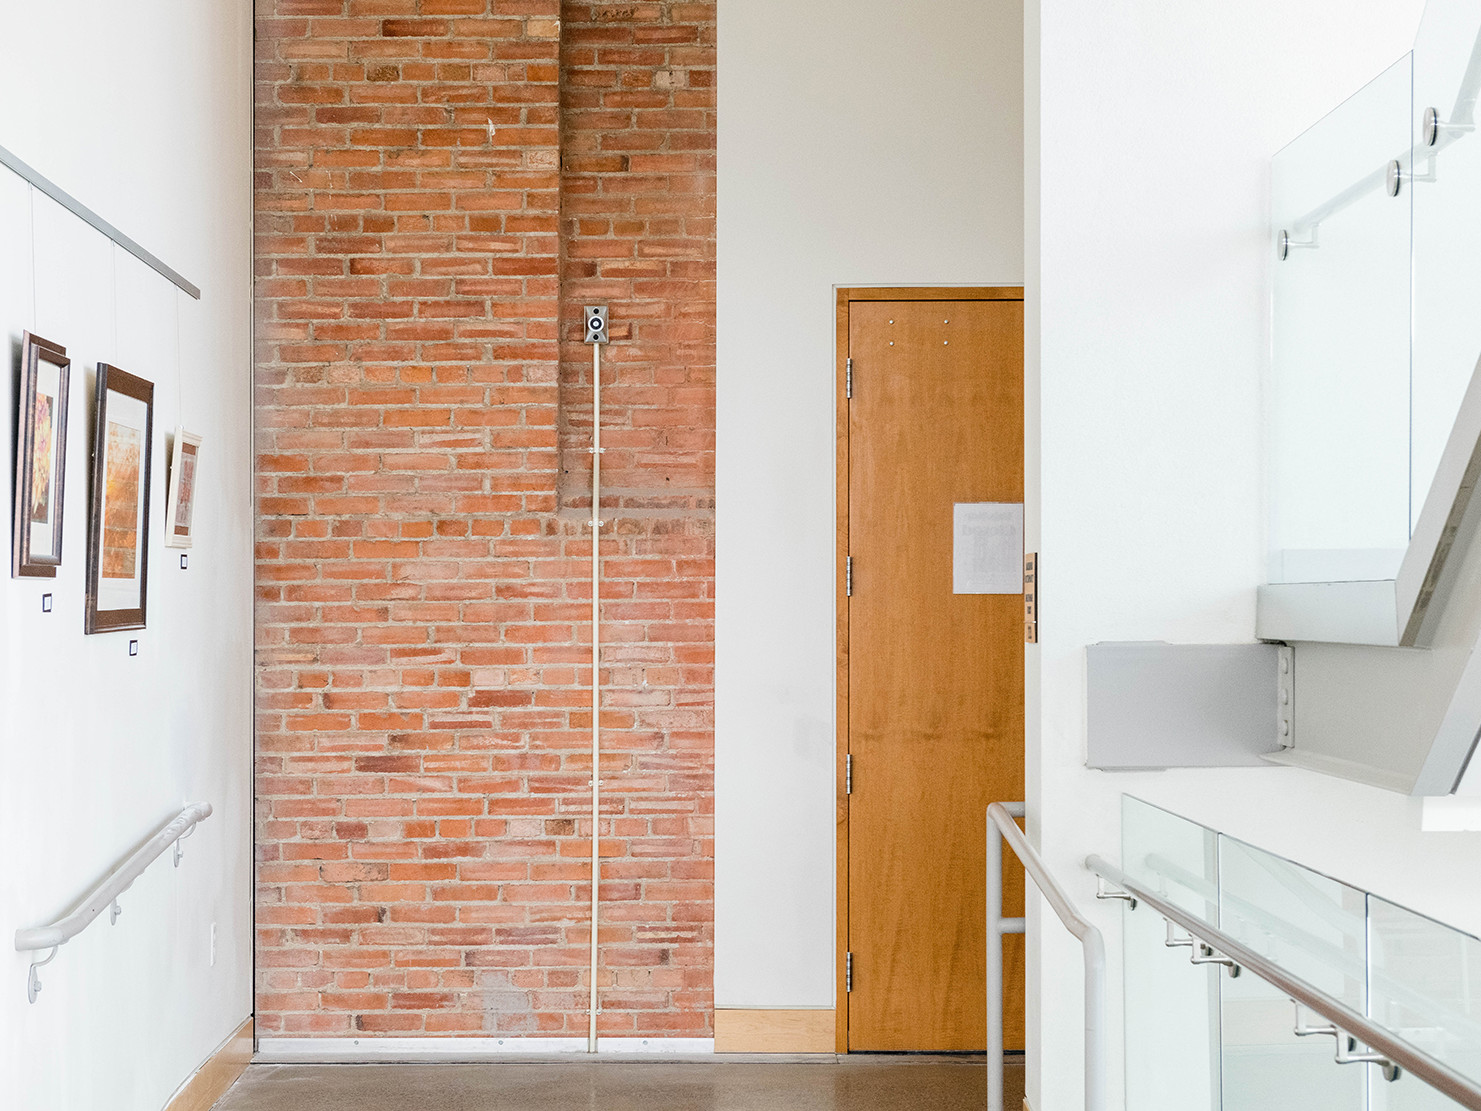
pixel 596 681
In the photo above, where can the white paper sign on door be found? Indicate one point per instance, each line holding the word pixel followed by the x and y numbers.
pixel 987 548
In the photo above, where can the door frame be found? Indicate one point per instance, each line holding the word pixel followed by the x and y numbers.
pixel 845 296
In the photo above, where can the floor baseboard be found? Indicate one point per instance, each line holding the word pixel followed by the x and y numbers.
pixel 774 1031
pixel 219 1072
pixel 304 1051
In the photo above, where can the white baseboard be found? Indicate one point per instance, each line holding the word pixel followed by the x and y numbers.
pixel 284 1051
pixel 656 1045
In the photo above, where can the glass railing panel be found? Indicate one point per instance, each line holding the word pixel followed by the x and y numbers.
pixel 1172 1008
pixel 1315 927
pixel 1176 857
pixel 1408 1094
pixel 1425 987
pixel 1197 1038
pixel 1447 232
pixel 1340 390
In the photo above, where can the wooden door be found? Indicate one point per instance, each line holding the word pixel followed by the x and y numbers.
pixel 931 683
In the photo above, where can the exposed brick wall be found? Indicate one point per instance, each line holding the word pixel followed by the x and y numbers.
pixel 423 612
pixel 638 199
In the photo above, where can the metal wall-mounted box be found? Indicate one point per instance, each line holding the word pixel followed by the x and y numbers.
pixel 1156 705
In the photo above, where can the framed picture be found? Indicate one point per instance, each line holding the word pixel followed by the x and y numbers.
pixel 40 459
pixel 178 532
pixel 118 537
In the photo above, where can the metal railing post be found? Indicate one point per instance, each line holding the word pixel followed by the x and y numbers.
pixel 994 968
pixel 1097 1068
pixel 1002 827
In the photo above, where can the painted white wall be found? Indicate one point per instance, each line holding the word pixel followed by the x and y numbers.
pixel 1154 127
pixel 861 143
pixel 141 111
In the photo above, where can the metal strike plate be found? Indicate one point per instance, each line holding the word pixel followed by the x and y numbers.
pixel 596 323
pixel 1031 598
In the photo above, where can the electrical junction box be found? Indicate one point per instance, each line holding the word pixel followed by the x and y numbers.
pixel 596 323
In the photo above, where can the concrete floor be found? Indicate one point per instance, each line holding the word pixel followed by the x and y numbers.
pixel 853 1083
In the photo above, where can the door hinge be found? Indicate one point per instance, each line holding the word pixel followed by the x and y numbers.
pixel 848 774
pixel 848 972
pixel 848 378
pixel 848 576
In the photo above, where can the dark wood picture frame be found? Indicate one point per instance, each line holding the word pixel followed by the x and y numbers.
pixel 113 546
pixel 24 562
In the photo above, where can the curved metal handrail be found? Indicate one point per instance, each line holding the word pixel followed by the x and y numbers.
pixel 106 892
pixel 1344 1019
pixel 1000 816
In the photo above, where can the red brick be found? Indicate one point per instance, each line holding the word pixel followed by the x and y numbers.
pixel 423 417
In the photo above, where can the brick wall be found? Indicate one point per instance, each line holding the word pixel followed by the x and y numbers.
pixel 441 184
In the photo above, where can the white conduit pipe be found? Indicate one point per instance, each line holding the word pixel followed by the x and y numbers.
pixel 596 681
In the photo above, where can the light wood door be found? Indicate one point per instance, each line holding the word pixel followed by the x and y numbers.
pixel 934 683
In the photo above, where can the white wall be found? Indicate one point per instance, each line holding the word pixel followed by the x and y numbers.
pixel 873 143
pixel 141 111
pixel 1155 126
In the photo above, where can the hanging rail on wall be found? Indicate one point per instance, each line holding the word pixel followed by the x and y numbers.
pixel 33 176
pixel 105 894
pixel 1001 827
pixel 1387 1050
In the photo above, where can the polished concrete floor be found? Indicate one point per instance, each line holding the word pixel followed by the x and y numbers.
pixel 853 1083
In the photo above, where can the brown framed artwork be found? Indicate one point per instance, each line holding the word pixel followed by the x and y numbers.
pixel 118 536
pixel 40 459
pixel 180 514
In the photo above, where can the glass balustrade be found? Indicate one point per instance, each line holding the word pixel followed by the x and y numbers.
pixel 1196 1038
pixel 1339 390
pixel 1172 1064
pixel 1426 986
pixel 1315 927
pixel 1447 231
pixel 1375 340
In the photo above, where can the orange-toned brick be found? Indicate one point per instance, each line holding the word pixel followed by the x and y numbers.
pixel 441 185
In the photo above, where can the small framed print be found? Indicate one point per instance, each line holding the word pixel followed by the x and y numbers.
pixel 40 459
pixel 179 515
pixel 118 539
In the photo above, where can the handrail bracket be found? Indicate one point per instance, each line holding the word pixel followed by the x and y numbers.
pixel 33 981
pixel 1104 892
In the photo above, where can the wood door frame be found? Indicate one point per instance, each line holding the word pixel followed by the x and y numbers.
pixel 845 296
